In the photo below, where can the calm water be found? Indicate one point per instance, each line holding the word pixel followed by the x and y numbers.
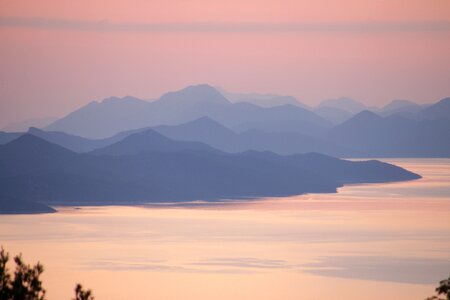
pixel 382 241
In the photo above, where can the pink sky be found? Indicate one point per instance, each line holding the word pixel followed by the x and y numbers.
pixel 58 55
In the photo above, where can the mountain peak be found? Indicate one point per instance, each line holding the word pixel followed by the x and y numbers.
pixel 32 130
pixel 111 99
pixel 33 144
pixel 114 100
pixel 206 125
pixel 398 103
pixel 445 101
pixel 363 118
pixel 262 100
pixel 344 103
pixel 367 115
pixel 201 86
pixel 28 139
pixel 93 103
pixel 149 140
pixel 345 100
pixel 196 94
pixel 439 110
pixel 204 121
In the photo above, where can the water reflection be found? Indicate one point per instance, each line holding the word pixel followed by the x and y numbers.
pixel 380 241
pixel 415 270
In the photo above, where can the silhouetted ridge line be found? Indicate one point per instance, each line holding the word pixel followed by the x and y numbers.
pixel 39 171
pixel 101 120
pixel 150 140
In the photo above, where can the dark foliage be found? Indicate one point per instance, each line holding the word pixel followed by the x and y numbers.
pixel 442 290
pixel 25 283
pixel 81 294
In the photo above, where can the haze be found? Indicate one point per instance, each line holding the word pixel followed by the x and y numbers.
pixel 61 54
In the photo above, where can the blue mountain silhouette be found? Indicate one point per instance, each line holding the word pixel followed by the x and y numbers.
pixel 39 171
pixel 113 115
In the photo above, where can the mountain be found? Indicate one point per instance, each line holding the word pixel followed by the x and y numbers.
pixel 39 171
pixel 104 119
pixel 204 130
pixel 194 95
pixel 6 137
pixel 289 143
pixel 332 114
pixel 29 153
pixel 349 172
pixel 113 115
pixel 439 110
pixel 284 118
pixel 273 100
pixel 287 129
pixel 150 141
pixel 397 104
pixel 346 104
pixel 394 136
pixel 400 107
pixel 210 132
pixel 72 142
pixel 80 144
pixel 263 100
pixel 25 124
pixel 364 120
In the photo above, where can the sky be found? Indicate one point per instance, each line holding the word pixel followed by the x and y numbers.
pixel 57 55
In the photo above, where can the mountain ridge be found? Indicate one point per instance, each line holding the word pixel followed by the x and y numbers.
pixel 40 171
pixel 101 120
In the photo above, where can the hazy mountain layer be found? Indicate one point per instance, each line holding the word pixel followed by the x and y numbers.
pixel 373 136
pixel 39 171
pixel 113 115
pixel 202 114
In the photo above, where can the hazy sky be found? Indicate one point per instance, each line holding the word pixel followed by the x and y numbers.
pixel 57 55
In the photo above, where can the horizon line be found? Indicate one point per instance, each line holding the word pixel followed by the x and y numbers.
pixel 225 27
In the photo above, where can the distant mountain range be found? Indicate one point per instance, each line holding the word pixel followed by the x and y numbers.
pixel 148 167
pixel 193 102
pixel 263 100
pixel 202 143
pixel 212 133
pixel 150 140
pixel 346 104
pixel 340 110
pixel 393 136
pixel 202 114
pixel 112 115
pixel 440 110
pixel 400 107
